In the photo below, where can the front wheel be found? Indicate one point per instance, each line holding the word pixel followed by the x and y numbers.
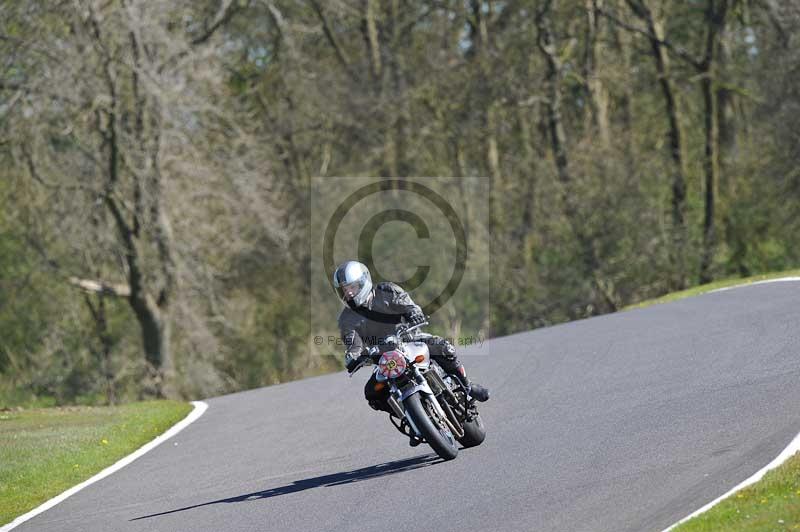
pixel 433 430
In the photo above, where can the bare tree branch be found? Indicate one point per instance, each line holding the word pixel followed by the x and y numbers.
pixel 341 55
pixel 34 173
pixel 101 287
pixel 679 51
pixel 224 14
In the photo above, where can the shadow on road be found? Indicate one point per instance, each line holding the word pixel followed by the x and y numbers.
pixel 335 479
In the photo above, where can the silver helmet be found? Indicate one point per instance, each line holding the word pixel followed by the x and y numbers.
pixel 353 283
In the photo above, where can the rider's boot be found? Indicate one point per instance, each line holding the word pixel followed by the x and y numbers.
pixel 478 392
pixel 474 390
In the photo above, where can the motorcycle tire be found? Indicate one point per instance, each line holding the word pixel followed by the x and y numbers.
pixel 474 432
pixel 444 446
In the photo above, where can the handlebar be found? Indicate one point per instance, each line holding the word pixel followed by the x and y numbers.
pixel 374 350
pixel 408 330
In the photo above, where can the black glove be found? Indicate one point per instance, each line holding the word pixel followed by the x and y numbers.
pixel 352 362
pixel 415 318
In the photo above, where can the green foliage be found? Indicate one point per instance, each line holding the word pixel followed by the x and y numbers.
pixel 579 202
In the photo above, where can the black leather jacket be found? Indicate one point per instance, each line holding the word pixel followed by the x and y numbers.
pixel 362 327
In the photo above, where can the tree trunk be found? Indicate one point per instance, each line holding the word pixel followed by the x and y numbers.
pixel 155 326
pixel 596 90
pixel 623 46
pixel 524 229
pixel 105 344
pixel 479 54
pixel 716 14
pixel 710 171
pixel 401 114
pixel 661 59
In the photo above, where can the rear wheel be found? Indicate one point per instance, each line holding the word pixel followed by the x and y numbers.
pixel 474 432
pixel 433 430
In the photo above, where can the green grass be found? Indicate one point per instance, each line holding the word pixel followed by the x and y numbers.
pixel 702 289
pixel 771 504
pixel 44 452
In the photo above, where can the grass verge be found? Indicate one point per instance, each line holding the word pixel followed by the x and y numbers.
pixel 702 289
pixel 773 503
pixel 44 452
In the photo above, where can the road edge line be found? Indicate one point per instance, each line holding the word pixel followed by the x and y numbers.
pixel 765 281
pixel 199 409
pixel 788 452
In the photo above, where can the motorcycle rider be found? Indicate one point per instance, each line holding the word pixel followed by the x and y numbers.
pixel 374 312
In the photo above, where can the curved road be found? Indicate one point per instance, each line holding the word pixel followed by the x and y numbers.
pixel 624 422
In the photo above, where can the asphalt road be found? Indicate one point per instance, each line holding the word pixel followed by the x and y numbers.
pixel 624 422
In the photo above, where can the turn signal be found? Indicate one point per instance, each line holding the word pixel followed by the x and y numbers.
pixel 379 386
pixel 419 358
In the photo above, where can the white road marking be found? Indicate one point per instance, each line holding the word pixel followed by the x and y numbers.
pixel 793 447
pixel 766 281
pixel 199 408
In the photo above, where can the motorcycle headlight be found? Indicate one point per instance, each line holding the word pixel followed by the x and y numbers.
pixel 392 364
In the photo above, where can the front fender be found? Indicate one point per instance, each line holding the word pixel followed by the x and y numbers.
pixel 402 395
pixel 426 390
pixel 416 388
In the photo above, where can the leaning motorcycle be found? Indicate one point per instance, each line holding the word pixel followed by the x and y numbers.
pixel 427 404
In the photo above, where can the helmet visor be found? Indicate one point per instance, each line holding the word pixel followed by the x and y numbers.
pixel 350 290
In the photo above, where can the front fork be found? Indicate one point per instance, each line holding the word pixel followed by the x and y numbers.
pixel 419 385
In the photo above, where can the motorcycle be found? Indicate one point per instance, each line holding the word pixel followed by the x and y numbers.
pixel 428 406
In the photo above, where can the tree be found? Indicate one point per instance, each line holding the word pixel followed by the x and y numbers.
pixel 114 130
